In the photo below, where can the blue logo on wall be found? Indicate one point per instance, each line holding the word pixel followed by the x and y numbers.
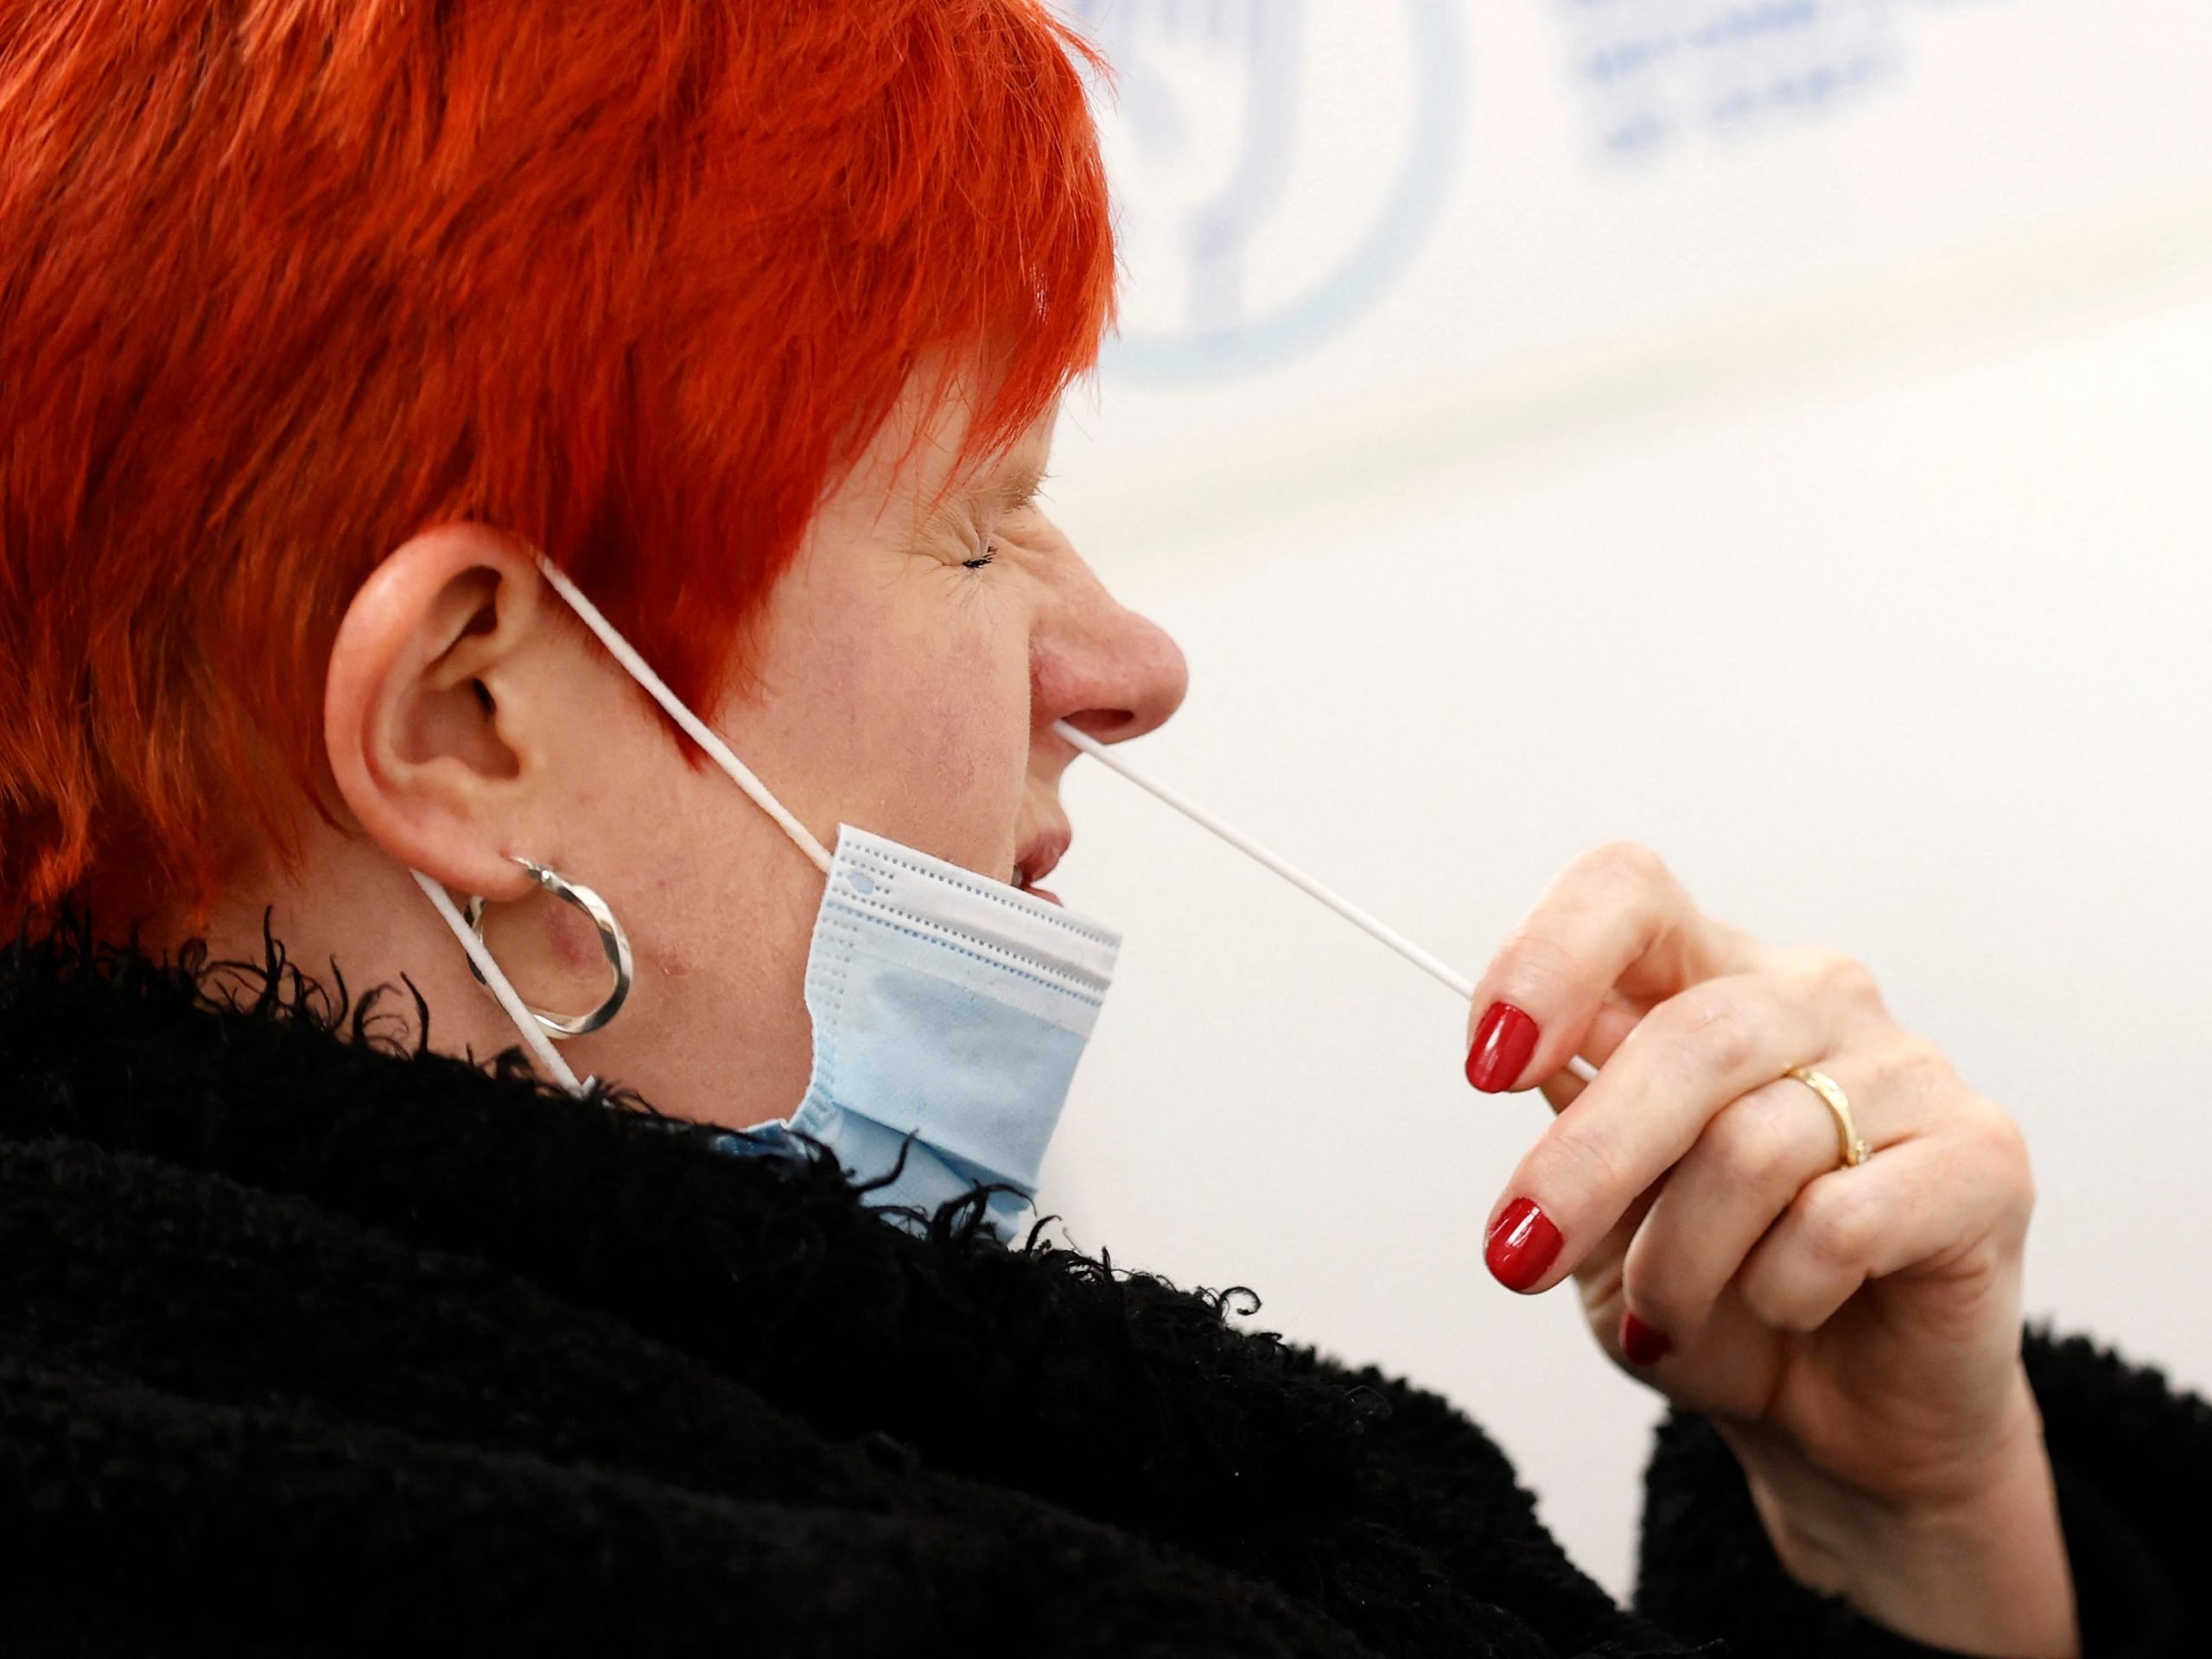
pixel 1214 109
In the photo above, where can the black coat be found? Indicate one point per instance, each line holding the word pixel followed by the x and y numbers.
pixel 312 1344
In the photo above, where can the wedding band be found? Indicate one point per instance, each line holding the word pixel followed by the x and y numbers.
pixel 1853 1150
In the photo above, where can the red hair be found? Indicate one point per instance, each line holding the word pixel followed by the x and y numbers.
pixel 284 281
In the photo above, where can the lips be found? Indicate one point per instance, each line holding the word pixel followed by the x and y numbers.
pixel 1038 858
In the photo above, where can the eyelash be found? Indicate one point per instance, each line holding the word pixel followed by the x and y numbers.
pixel 991 553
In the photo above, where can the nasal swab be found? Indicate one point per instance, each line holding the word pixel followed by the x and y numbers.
pixel 1373 926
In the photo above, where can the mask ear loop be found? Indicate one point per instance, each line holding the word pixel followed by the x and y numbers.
pixel 496 981
pixel 693 728
pixel 699 731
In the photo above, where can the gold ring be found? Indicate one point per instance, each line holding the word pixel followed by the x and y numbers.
pixel 1854 1151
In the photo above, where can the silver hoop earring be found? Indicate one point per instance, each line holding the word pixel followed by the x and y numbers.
pixel 612 939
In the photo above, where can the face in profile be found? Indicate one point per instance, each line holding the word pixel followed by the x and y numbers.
pixel 903 677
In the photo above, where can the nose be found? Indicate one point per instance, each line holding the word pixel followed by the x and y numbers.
pixel 1104 669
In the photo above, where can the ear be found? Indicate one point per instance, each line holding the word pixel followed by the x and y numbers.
pixel 434 705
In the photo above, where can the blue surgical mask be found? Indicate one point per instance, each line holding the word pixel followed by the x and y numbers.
pixel 948 1010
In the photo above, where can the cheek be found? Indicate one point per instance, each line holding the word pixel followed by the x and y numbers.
pixel 974 687
pixel 962 737
pixel 901 704
pixel 932 709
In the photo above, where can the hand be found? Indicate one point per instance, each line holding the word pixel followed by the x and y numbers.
pixel 1853 1332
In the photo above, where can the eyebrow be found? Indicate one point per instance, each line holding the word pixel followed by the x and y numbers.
pixel 1010 490
pixel 1000 491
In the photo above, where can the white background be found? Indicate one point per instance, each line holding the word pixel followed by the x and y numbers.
pixel 1818 496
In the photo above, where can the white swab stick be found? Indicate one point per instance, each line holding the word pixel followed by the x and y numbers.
pixel 1372 926
pixel 1433 966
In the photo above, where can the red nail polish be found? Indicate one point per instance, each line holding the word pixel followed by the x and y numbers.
pixel 1640 1345
pixel 1504 1043
pixel 1522 1246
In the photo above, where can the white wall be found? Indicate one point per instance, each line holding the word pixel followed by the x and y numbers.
pixel 1822 507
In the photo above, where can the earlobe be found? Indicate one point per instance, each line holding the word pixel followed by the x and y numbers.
pixel 425 705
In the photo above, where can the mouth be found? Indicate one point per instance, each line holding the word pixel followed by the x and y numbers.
pixel 1036 861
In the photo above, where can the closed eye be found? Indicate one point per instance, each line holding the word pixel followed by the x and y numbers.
pixel 1022 503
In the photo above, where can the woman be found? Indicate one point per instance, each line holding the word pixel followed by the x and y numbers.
pixel 354 356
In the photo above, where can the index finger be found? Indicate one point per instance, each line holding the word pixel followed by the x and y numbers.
pixel 1616 919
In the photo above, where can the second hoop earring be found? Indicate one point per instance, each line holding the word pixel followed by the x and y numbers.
pixel 612 939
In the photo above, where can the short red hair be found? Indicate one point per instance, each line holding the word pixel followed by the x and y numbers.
pixel 284 281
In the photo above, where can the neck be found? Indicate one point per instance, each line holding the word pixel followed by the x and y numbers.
pixel 730 1047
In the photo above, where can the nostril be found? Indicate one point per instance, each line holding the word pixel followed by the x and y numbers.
pixel 1116 677
pixel 1106 725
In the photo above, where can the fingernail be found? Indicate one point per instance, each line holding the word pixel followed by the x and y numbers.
pixel 1504 1043
pixel 1522 1246
pixel 1640 1345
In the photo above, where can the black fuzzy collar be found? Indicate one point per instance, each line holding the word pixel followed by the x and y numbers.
pixel 1037 1371
pixel 771 1269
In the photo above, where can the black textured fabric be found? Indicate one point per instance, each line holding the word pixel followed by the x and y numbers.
pixel 316 1342
pixel 2130 1454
